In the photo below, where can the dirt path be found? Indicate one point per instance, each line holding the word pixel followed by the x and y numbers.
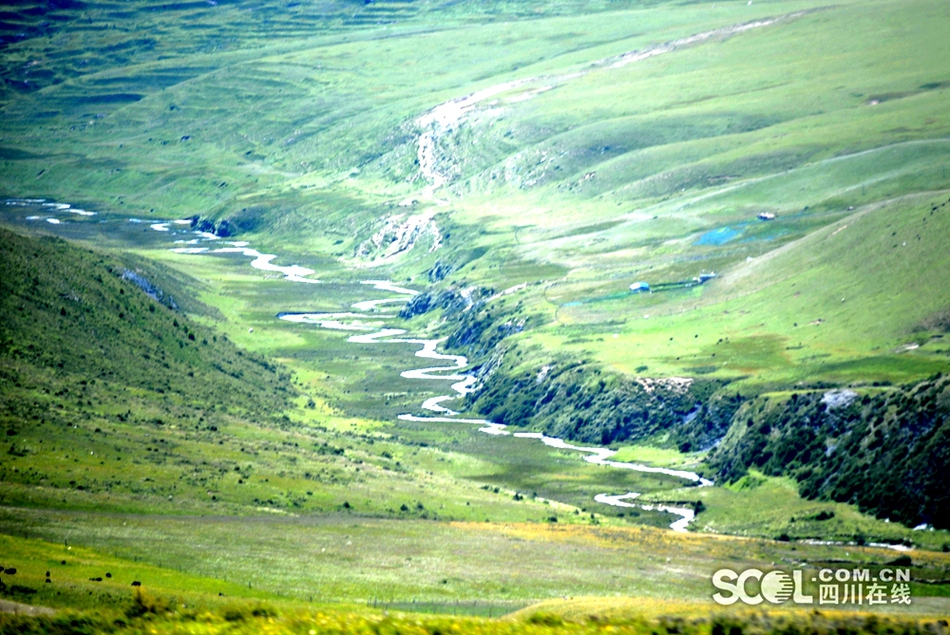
pixel 6 606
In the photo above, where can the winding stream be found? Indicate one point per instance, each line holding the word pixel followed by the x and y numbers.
pixel 363 321
pixel 464 383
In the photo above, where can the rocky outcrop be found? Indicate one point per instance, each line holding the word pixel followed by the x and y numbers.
pixel 245 220
pixel 398 235
pixel 439 271
pixel 454 301
pixel 154 292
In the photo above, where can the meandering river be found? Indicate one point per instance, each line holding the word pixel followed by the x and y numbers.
pixel 464 383
pixel 358 321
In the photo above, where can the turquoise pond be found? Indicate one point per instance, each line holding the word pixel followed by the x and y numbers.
pixel 718 236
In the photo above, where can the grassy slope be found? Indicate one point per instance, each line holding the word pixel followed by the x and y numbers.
pixel 110 406
pixel 658 188
pixel 76 315
pixel 856 291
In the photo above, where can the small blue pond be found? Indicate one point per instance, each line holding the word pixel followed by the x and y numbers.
pixel 717 236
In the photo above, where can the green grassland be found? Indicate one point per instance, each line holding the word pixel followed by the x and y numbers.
pixel 334 559
pixel 768 506
pixel 274 580
pixel 194 442
pixel 852 291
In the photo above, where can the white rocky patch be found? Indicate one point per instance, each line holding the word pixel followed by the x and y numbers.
pixel 399 235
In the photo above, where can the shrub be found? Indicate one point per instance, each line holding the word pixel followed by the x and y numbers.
pixel 143 603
